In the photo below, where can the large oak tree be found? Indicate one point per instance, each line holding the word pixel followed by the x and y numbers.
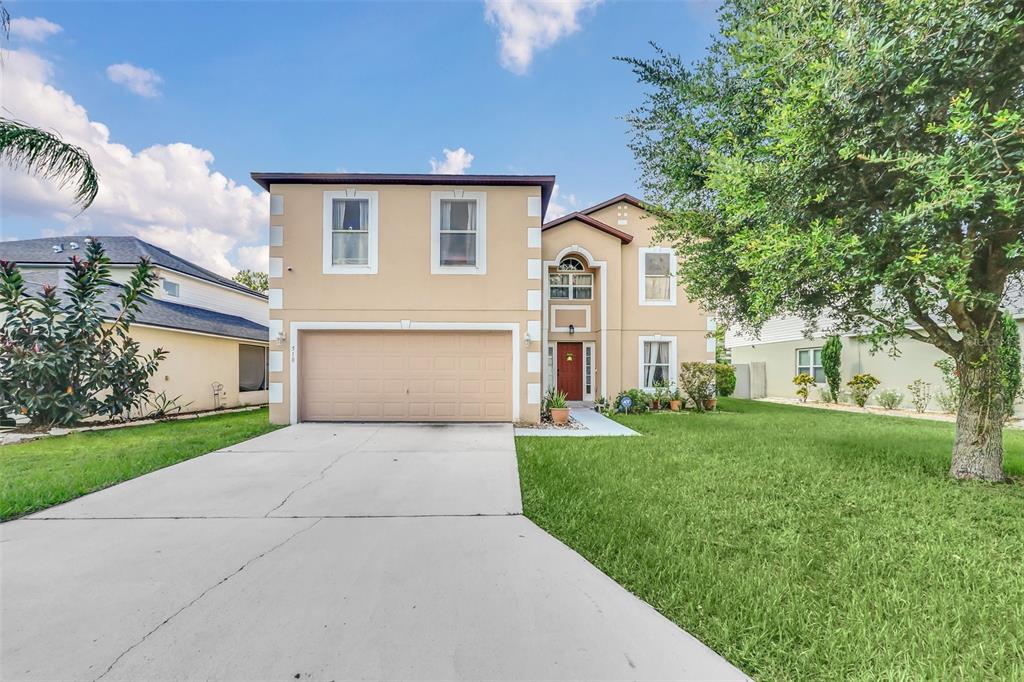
pixel 861 160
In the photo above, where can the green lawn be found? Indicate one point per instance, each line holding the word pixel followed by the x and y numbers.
pixel 45 472
pixel 800 543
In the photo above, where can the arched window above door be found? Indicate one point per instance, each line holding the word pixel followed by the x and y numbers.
pixel 571 281
pixel 571 264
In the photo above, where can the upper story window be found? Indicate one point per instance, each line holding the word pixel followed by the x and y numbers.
pixel 657 276
pixel 171 288
pixel 569 282
pixel 458 233
pixel 350 232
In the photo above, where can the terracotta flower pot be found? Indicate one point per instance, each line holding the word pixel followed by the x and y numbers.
pixel 710 403
pixel 560 415
pixel 675 405
pixel 655 405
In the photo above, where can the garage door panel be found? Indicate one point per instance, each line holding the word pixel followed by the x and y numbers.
pixel 395 376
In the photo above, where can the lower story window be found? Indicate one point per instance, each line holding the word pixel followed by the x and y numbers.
pixel 656 363
pixel 551 366
pixel 252 368
pixel 808 361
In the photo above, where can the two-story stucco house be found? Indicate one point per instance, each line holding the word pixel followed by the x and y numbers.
pixel 213 329
pixel 447 298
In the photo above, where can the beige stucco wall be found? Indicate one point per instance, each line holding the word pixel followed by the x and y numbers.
pixel 627 319
pixel 193 363
pixel 404 287
pixel 916 360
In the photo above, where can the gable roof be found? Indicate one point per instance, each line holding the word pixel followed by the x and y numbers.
pixel 166 314
pixel 622 198
pixel 546 182
pixel 624 237
pixel 120 250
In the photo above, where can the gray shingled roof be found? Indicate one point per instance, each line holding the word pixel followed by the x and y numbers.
pixel 167 314
pixel 120 250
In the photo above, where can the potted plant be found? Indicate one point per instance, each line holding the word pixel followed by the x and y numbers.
pixel 558 408
pixel 675 402
pixel 661 395
pixel 710 403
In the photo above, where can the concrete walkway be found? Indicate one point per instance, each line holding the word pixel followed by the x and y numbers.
pixel 324 552
pixel 593 423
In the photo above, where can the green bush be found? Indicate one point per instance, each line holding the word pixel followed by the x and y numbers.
pixel 890 398
pixel 949 398
pixel 725 379
pixel 67 354
pixel 920 394
pixel 641 401
pixel 1009 360
pixel 861 387
pixel 697 381
pixel 831 360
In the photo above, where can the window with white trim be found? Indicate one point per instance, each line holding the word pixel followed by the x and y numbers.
pixel 808 361
pixel 171 288
pixel 588 369
pixel 458 239
pixel 350 232
pixel 657 276
pixel 550 374
pixel 656 363
pixel 569 283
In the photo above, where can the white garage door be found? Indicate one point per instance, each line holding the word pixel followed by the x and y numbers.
pixel 405 376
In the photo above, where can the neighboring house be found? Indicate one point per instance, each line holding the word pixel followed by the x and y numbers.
pixel 784 348
pixel 444 298
pixel 213 329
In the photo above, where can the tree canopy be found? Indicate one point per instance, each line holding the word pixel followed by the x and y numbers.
pixel 864 160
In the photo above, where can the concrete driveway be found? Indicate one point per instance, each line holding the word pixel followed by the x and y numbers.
pixel 324 552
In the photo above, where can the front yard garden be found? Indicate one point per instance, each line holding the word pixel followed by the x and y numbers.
pixel 45 472
pixel 799 544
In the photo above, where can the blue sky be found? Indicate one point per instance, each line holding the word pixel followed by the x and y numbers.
pixel 382 87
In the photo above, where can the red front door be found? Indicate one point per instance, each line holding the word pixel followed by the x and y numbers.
pixel 570 370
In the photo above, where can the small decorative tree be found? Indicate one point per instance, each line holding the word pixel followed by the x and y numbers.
pixel 861 387
pixel 831 359
pixel 803 382
pixel 64 356
pixel 920 394
pixel 697 381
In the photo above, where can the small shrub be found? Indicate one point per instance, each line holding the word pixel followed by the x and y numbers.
pixel 725 379
pixel 948 398
pixel 861 387
pixel 697 381
pixel 890 398
pixel 920 394
pixel 824 395
pixel 662 394
pixel 641 402
pixel 1009 363
pixel 803 382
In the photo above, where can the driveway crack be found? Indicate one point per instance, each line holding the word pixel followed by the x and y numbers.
pixel 323 472
pixel 204 593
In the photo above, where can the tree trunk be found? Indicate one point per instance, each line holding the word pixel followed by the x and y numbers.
pixel 978 448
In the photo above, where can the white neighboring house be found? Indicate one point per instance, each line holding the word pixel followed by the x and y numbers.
pixel 783 349
pixel 214 329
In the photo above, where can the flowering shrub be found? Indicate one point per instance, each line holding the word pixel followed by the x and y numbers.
pixel 697 382
pixel 803 382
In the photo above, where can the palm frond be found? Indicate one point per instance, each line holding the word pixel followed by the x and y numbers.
pixel 45 154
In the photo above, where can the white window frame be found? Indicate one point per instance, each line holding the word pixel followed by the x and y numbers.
pixel 673 360
pixel 811 366
pixel 551 367
pixel 572 285
pixel 435 233
pixel 642 279
pixel 372 225
pixel 177 288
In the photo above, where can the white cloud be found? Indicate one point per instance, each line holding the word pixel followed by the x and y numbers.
pixel 141 81
pixel 35 30
pixel 254 258
pixel 528 26
pixel 455 162
pixel 559 205
pixel 166 194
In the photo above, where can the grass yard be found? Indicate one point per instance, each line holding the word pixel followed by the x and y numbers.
pixel 800 543
pixel 45 472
